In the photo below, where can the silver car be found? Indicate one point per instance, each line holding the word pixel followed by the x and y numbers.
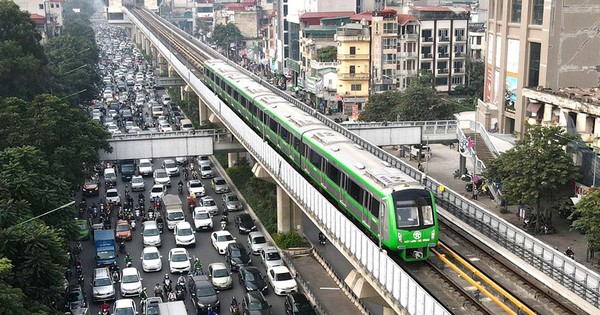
pixel 232 203
pixel 219 185
pixel 206 171
pixel 102 285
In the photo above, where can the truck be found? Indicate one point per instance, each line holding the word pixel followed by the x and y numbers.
pixel 172 209
pixel 127 169
pixel 172 308
pixel 106 248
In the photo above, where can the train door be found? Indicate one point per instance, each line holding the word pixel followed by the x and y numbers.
pixel 343 185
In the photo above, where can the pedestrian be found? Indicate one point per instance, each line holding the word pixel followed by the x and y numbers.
pixel 475 192
pixel 420 167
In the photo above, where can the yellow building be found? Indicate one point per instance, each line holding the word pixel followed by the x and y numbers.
pixel 353 69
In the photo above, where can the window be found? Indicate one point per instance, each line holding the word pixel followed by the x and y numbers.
pixel 356 87
pixel 534 64
pixel 390 43
pixel 285 135
pixel 390 28
pixel 314 158
pixel 333 173
pixel 459 50
pixel 353 50
pixel 41 6
pixel 537 17
pixel 373 205
pixel 459 33
pixel 236 95
pixel 389 59
pixel 57 5
pixel 441 81
pixel 52 5
pixel 273 125
pixel 443 51
pixel 427 35
pixel 425 65
pixel 443 34
pixel 478 40
pixel 458 65
pixel 354 190
pixel 457 80
pixel 352 69
pixel 515 14
pixel 442 65
pixel 228 88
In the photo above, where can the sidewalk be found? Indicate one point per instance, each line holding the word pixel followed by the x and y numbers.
pixel 441 166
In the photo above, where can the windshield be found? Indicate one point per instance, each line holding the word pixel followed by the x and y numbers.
pixel 256 305
pixel 130 279
pixel 152 310
pixel 302 307
pixel 157 189
pixel 101 282
pixel 83 226
pixel 251 276
pixel 232 198
pixel 108 254
pixel 208 203
pixel 161 173
pixel 74 296
pixel 284 276
pixel 112 194
pixel 220 273
pixel 224 238
pixel 259 240
pixel 179 257
pixel 175 216
pixel 184 232
pixel 151 232
pixel 169 164
pixel 206 168
pixel 151 256
pixel 205 291
pixel 196 184
pixel 413 209
pixel 124 311
pixel 137 180
pixel 202 215
pixel 90 182
pixel 273 256
pixel 220 182
pixel 238 253
pixel 145 164
pixel 122 227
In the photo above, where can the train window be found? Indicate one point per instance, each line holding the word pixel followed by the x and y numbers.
pixel 236 95
pixel 407 213
pixel 427 214
pixel 273 124
pixel 314 158
pixel 244 102
pixel 333 173
pixel 228 88
pixel 217 80
pixel 296 143
pixel 222 84
pixel 253 109
pixel 374 206
pixel 354 190
pixel 285 134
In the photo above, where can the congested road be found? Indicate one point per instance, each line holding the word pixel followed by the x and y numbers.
pixel 203 250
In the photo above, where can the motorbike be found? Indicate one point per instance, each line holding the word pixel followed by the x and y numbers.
pixel 94 211
pixel 77 248
pixel 122 247
pixel 223 222
pixel 180 289
pixel 151 215
pixel 234 307
pixel 322 238
pixel 180 188
pixel 160 226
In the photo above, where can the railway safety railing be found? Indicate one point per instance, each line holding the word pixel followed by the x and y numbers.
pixel 402 292
pixel 564 270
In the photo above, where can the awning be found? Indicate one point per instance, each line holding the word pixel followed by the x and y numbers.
pixel 534 107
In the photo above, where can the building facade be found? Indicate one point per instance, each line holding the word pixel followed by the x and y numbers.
pixel 51 10
pixel 536 43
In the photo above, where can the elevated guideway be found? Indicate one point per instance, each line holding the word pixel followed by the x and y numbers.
pixel 403 295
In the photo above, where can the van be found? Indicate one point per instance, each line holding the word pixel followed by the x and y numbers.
pixel 102 285
pixel 186 125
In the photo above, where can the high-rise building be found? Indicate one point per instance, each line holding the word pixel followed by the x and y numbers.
pixel 534 43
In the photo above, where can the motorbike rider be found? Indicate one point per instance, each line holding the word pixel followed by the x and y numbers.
pixel 159 221
pixel 180 186
pixel 197 265
pixel 105 307
pixel 322 238
pixel 128 259
pixel 234 307
pixel 158 291
pixel 569 252
pixel 167 283
pixel 143 297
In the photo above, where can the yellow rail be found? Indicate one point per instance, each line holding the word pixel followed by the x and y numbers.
pixel 479 286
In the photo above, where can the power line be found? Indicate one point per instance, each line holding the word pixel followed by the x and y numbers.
pixel 45 213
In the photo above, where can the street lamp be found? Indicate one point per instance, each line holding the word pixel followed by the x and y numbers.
pixel 73 70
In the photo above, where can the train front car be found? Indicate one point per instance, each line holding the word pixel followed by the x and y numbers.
pixel 413 220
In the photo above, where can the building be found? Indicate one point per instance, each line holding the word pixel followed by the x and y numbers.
pixel 204 13
pixel 50 10
pixel 476 47
pixel 531 44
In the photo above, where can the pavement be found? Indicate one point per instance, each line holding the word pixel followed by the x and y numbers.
pixel 441 166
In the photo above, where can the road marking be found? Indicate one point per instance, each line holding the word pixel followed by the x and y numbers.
pixel 329 288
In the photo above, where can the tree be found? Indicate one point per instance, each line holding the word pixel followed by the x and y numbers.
pixel 537 172
pixel 11 299
pixel 327 54
pixel 475 78
pixel 587 214
pixel 226 34
pixel 382 106
pixel 420 101
pixel 23 71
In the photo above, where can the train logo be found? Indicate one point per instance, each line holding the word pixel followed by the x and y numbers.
pixel 417 235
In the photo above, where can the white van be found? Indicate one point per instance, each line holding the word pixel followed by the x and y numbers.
pixel 186 125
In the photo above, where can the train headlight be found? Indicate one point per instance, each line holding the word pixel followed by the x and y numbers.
pixel 432 234
pixel 399 237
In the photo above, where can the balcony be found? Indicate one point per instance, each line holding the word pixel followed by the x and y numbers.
pixel 353 76
pixel 460 38
pixel 427 40
pixel 322 65
pixel 426 56
pixel 443 55
pixel 351 38
pixel 408 54
pixel 459 54
pixel 408 73
pixel 409 37
pixel 443 71
pixel 458 70
pixel 444 39
pixel 353 56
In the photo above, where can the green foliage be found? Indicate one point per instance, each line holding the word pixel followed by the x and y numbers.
pixel 382 106
pixel 473 87
pixel 11 299
pixel 189 107
pixel 537 169
pixel 289 240
pixel 327 54
pixel 587 218
pixel 226 34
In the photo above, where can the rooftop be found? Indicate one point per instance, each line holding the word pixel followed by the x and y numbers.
pixel 584 95
pixel 405 18
pixel 324 15
pixel 454 9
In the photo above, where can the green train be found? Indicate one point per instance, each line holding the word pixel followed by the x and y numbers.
pixel 390 205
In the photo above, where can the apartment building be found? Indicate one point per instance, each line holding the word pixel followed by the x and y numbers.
pixel 50 10
pixel 476 47
pixel 533 43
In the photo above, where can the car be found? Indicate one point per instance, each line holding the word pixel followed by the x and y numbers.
pixel 166 99
pixel 184 234
pixel 281 280
pixel 252 280
pixel 75 300
pixel 91 187
pixel 124 307
pixel 270 257
pixel 254 303
pixel 135 130
pixel 207 203
pixel 203 295
pixel 112 195
pixel 237 256
pixel 195 186
pixel 256 241
pixel 129 125
pixel 219 185
pixel 206 171
pixel 157 111
pixel 162 177
pixel 202 220
pixel 244 223
pixel 137 183
pixel 151 306
pixel 103 288
pixel 110 177
pixel 131 282
pixel 151 234
pixel 204 160
pixel 158 190
pixel 84 230
pixel 297 304
pixel 123 230
pixel 165 127
pixel 219 276
pixel 220 240
pixel 151 259
pixel 232 202
pixel 181 160
pixel 179 260
pixel 171 167
pixel 145 167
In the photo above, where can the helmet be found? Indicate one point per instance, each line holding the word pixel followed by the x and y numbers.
pixel 166 276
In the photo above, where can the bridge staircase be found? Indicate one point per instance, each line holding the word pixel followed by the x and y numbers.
pixel 484 153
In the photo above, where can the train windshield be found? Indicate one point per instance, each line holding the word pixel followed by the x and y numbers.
pixel 413 208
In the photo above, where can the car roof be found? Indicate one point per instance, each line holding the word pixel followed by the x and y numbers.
pixel 112 190
pixel 222 233
pixel 255 234
pixel 255 295
pixel 102 271
pixel 169 161
pixel 219 265
pixel 150 224
pixel 150 249
pixel 279 269
pixel 298 297
pixel 130 270
pixel 244 216
pixel 145 160
pixel 122 222
pixel 236 245
pixel 207 198
pixel 269 249
pixel 178 250
pixel 201 280
pixel 123 302
pixel 183 224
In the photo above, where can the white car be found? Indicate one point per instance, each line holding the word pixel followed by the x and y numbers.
pixel 281 280
pixel 112 195
pixel 206 171
pixel 257 242
pixel 170 166
pixel 151 234
pixel 219 276
pixel 145 167
pixel 270 257
pixel 161 177
pixel 208 204
pixel 220 240
pixel 184 234
pixel 124 306
pixel 129 125
pixel 202 220
pixel 158 191
pixel 112 128
pixel 131 282
pixel 203 160
pixel 165 127
pixel 151 259
pixel 179 260
pixel 196 187
pixel 137 183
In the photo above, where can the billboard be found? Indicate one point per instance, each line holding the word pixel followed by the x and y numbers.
pixel 489 69
pixel 512 70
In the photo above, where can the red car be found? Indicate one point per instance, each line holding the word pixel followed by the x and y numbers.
pixel 123 230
